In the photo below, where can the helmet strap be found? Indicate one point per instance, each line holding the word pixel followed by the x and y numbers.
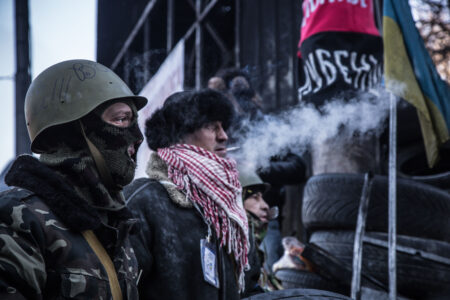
pixel 102 168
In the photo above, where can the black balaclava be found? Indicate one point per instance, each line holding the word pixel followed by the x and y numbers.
pixel 72 158
pixel 113 142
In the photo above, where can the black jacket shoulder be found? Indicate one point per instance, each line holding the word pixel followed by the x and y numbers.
pixel 15 194
pixel 137 186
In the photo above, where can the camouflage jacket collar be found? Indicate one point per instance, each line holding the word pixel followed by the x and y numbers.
pixel 30 174
pixel 259 228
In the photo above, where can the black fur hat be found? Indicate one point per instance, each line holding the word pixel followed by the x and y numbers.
pixel 184 113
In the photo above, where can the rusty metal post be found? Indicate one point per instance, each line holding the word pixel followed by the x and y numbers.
pixel 23 74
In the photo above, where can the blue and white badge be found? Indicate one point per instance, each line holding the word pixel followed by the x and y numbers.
pixel 209 262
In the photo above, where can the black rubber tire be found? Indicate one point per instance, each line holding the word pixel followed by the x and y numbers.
pixel 408 125
pixel 303 294
pixel 412 164
pixel 331 201
pixel 416 277
pixel 291 279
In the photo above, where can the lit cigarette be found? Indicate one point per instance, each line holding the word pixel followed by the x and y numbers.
pixel 233 148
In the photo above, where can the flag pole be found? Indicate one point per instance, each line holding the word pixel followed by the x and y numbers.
pixel 392 241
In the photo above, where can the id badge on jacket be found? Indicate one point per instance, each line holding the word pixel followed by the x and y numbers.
pixel 209 262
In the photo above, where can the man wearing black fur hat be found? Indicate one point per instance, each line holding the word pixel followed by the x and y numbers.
pixel 194 242
pixel 64 226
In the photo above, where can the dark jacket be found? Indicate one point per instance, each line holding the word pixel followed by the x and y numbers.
pixel 43 254
pixel 284 170
pixel 255 257
pixel 168 246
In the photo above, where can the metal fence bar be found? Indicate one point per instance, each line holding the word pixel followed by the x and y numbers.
pixel 147 45
pixel 220 43
pixel 198 46
pixel 170 23
pixel 200 19
pixel 133 33
pixel 392 233
pixel 409 250
pixel 237 34
pixel 23 73
pixel 126 68
pixel 293 58
pixel 359 235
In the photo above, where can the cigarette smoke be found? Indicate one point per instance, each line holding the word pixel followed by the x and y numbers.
pixel 298 128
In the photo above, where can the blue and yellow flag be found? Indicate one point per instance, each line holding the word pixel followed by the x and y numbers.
pixel 411 74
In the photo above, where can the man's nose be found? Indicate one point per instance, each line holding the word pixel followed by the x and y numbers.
pixel 222 135
pixel 264 205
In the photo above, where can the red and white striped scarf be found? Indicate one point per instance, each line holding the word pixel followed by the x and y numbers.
pixel 212 182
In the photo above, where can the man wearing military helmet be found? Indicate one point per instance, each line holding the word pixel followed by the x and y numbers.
pixel 258 215
pixel 64 225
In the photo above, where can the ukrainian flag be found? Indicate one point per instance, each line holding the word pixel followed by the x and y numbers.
pixel 411 75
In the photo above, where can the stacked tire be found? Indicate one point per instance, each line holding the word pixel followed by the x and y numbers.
pixel 330 209
pixel 299 294
pixel 412 164
pixel 292 278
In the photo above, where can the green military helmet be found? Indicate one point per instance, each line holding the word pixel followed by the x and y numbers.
pixel 249 180
pixel 67 91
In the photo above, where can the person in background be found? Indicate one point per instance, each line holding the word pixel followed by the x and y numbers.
pixel 259 214
pixel 253 189
pixel 236 84
pixel 194 243
pixel 64 225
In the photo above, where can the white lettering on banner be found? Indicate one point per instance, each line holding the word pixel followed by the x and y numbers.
pixel 374 76
pixel 310 64
pixel 344 70
pixel 314 4
pixel 310 6
pixel 355 2
pixel 365 68
pixel 306 88
pixel 358 70
pixel 328 69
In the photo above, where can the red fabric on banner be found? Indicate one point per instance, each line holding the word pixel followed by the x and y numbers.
pixel 337 15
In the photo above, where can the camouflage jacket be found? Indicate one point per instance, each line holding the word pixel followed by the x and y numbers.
pixel 43 254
